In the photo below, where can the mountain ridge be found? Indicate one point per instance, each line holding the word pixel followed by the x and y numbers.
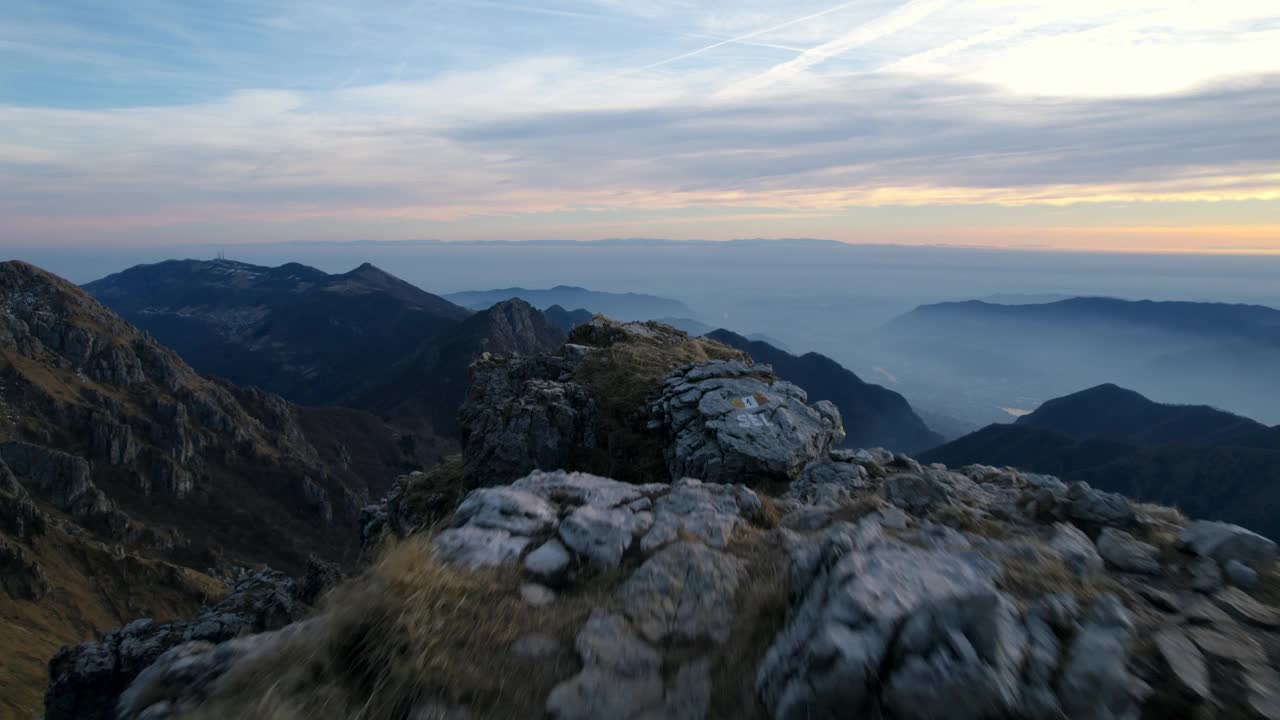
pixel 294 330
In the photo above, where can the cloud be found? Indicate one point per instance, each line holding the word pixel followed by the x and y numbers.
pixel 457 113
pixel 898 20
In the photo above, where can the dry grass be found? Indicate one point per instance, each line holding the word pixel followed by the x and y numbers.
pixel 759 615
pixel 966 519
pixel 92 592
pixel 412 630
pixel 1030 580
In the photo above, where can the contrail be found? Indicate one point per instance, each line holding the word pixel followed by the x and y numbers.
pixel 740 38
pixel 900 19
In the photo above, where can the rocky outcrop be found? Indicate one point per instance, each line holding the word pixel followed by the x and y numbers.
pixel 64 480
pixel 86 680
pixel 103 423
pixel 525 414
pixel 728 421
pixel 20 575
pixel 915 592
pixel 19 516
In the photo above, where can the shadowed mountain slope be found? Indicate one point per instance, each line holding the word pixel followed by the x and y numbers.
pixel 873 415
pixel 292 330
pixel 1202 460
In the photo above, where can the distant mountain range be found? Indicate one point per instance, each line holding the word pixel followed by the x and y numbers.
pixel 1019 355
pixel 620 306
pixel 1205 461
pixel 872 415
pixel 294 330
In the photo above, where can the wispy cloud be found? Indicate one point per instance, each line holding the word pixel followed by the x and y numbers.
pixel 458 115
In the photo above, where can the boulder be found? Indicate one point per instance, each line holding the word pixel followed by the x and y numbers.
pixel 549 562
pixel 708 512
pixel 1076 549
pixel 622 678
pixel 477 547
pixel 727 421
pixel 1125 552
pixel 1225 542
pixel 579 488
pixel 1095 680
pixel 1240 575
pixel 1238 604
pixel 1206 576
pixel 1185 662
pixel 916 493
pixel 828 482
pixel 1087 505
pixel 921 633
pixel 602 536
pixel 684 593
pixel 506 508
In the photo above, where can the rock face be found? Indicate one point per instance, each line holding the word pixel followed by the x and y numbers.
pixel 732 422
pixel 931 625
pixel 122 463
pixel 103 420
pixel 898 609
pixel 522 415
pixel 1225 542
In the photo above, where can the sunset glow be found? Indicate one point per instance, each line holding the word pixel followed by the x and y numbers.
pixel 1010 123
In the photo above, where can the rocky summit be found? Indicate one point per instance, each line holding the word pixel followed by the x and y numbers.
pixel 737 564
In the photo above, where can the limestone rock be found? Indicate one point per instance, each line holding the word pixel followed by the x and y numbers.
pixel 916 494
pixel 1227 643
pixel 727 421
pixel 1240 605
pixel 523 414
pixel 1095 681
pixel 579 488
pixel 1100 508
pixel 1125 552
pixel 506 508
pixel 685 593
pixel 602 537
pixel 1240 575
pixel 1206 576
pixel 1185 662
pixel 1225 542
pixel 183 677
pixel 476 547
pixel 1263 686
pixel 549 561
pixel 1076 549
pixel 828 482
pixel 921 631
pixel 706 511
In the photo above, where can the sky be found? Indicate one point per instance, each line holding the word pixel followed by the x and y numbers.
pixel 1143 125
